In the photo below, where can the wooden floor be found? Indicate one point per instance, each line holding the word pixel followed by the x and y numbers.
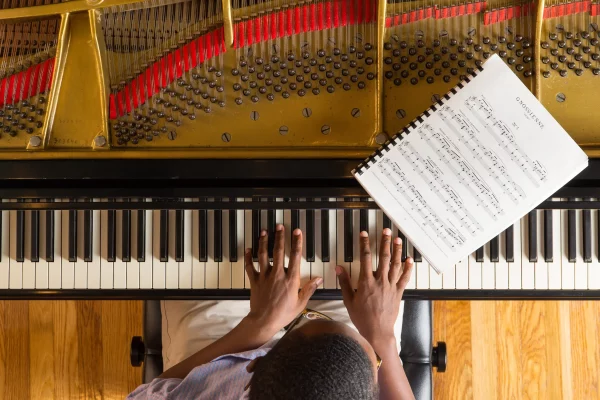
pixel 497 350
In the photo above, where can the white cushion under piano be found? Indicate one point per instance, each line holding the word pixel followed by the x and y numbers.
pixel 178 229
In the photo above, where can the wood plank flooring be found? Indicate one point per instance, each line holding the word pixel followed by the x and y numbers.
pixel 496 350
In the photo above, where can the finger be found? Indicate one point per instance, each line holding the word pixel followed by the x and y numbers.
pixel 396 264
pixel 405 277
pixel 263 252
pixel 384 254
pixel 249 266
pixel 308 290
pixel 366 268
pixel 345 285
pixel 295 254
pixel 279 248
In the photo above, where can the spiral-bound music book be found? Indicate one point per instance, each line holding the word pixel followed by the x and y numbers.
pixel 471 165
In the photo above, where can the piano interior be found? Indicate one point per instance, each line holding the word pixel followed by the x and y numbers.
pixel 117 105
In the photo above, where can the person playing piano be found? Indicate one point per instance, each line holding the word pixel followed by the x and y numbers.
pixel 275 348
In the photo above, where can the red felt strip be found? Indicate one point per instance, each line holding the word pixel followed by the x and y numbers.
pixel 133 93
pixel 289 27
pixel 27 84
pixel 320 16
pixel 328 15
pixel 336 13
pixel 35 87
pixel 265 27
pixel 250 32
pixel 257 36
pixel 275 19
pixel 112 107
pixel 352 12
pixel 178 63
pixel 344 12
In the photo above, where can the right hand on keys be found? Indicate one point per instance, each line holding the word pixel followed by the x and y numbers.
pixel 375 305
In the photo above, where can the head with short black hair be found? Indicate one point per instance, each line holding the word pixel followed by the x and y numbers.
pixel 320 360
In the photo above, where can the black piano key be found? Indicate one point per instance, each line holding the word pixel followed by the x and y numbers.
pixel 587 235
pixel 50 235
pixel 233 256
pixel 88 228
pixel 179 229
pixel 479 253
pixel 35 236
pixel 310 235
pixel 571 236
pixel 111 236
pixel 532 235
pixel 295 221
pixel 548 256
pixel 404 245
pixel 20 237
pixel 203 235
pixel 255 233
pixel 141 235
pixel 164 236
pixel 348 232
pixel 271 230
pixel 218 238
pixel 364 220
pixel 387 223
pixel 325 235
pixel 72 235
pixel 494 250
pixel 1 236
pixel 416 255
pixel 509 238
pixel 126 236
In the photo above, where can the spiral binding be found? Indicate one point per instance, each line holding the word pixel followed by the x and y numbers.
pixel 412 125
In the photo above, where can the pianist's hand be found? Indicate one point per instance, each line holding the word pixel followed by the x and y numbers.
pixel 374 307
pixel 275 295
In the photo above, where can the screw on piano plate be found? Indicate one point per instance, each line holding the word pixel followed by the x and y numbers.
pixel 400 113
pixel 306 112
pixel 560 97
pixel 355 112
pixel 35 141
pixel 381 138
pixel 254 115
pixel 99 141
pixel 325 129
pixel 171 135
pixel 283 130
pixel 226 137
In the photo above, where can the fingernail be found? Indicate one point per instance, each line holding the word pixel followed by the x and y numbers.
pixel 338 270
pixel 409 260
pixel 319 281
pixel 297 232
pixel 279 227
pixel 364 234
pixel 263 233
pixel 387 232
pixel 397 241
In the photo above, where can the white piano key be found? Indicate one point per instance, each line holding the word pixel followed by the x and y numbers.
pixel 541 266
pixel 146 270
pixel 28 265
pixel 171 266
pixel 5 249
pixel 81 272
pixel 422 270
pixel 329 276
pixel 412 282
pixel 106 267
pixel 567 268
pixel 68 267
pixel 225 265
pixel 462 274
pixel 158 267
pixel 185 267
pixel 448 278
pixel 501 266
pixel 305 266
pixel 237 267
pixel 527 267
pixel 581 268
pixel 375 230
pixel 287 226
pixel 94 266
pixel 474 272
pixel 514 268
pixel 248 236
pixel 355 264
pixel 316 267
pixel 435 279
pixel 594 266
pixel 554 267
pixel 340 241
pixel 197 265
pixel 41 267
pixel 212 266
pixel 55 267
pixel 15 277
pixel 488 270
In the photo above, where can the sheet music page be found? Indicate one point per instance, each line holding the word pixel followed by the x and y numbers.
pixel 474 166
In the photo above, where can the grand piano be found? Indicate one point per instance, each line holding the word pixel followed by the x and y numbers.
pixel 145 144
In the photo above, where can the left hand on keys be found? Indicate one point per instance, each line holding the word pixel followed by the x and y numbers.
pixel 275 294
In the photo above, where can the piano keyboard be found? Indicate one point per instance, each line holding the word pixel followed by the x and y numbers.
pixel 203 249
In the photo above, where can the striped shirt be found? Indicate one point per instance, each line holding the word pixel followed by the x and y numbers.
pixel 223 378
